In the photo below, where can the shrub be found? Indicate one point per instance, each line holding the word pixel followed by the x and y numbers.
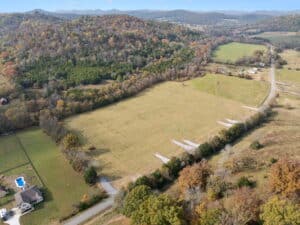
pixel 256 145
pixel 173 167
pixel 284 177
pixel 90 202
pixel 71 141
pixel 281 212
pixel 245 182
pixel 216 187
pixel 204 150
pixel 90 175
pixel 158 210
pixel 135 198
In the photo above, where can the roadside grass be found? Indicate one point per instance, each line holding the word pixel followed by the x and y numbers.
pixel 233 51
pixel 64 187
pixel 292 57
pixel 249 92
pixel 286 75
pixel 127 134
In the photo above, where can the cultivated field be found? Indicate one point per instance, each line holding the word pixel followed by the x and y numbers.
pixel 286 75
pixel 233 51
pixel 128 134
pixel 286 39
pixel 46 167
pixel 228 87
pixel 292 57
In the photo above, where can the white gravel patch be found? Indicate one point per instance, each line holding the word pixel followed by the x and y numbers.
pixel 162 158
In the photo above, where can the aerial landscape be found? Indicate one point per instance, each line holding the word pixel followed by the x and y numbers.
pixel 160 112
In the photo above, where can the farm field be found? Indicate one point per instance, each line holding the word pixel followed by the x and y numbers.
pixel 126 135
pixel 292 57
pixel 233 51
pixel 286 75
pixel 228 87
pixel 64 187
pixel 286 39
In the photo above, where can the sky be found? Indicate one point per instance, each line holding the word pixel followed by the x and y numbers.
pixel 195 5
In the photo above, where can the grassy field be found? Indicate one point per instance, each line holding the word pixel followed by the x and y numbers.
pixel 11 153
pixel 233 88
pixel 292 57
pixel 127 134
pixel 286 75
pixel 281 39
pixel 64 186
pixel 233 51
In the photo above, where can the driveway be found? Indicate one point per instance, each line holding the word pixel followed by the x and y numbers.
pixel 100 207
pixel 15 220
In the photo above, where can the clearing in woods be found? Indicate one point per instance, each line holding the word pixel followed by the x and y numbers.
pixel 127 134
pixel 234 51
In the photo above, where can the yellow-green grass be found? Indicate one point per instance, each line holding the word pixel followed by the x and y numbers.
pixel 234 51
pixel 249 92
pixel 11 153
pixel 286 75
pixel 5 85
pixel 64 186
pixel 128 134
pixel 292 57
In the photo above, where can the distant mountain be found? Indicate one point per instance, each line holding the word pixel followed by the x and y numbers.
pixel 283 23
pixel 178 16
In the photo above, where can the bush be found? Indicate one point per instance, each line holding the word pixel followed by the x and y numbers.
pixel 245 182
pixel 71 141
pixel 135 198
pixel 90 175
pixel 255 145
pixel 204 150
pixel 92 201
pixel 173 167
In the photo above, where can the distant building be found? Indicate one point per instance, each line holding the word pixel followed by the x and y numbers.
pixel 28 197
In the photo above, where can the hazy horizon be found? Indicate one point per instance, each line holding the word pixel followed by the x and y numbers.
pixel 8 6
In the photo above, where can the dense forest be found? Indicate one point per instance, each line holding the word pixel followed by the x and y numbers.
pixel 289 23
pixel 48 59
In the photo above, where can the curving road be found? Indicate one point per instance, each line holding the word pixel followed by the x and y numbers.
pixel 273 88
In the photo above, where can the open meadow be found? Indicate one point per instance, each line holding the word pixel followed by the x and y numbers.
pixel 234 51
pixel 281 39
pixel 32 154
pixel 292 57
pixel 127 134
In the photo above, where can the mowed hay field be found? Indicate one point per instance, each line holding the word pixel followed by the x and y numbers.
pixel 292 57
pixel 64 187
pixel 128 134
pixel 233 51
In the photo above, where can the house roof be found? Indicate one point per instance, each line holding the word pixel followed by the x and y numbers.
pixel 29 195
